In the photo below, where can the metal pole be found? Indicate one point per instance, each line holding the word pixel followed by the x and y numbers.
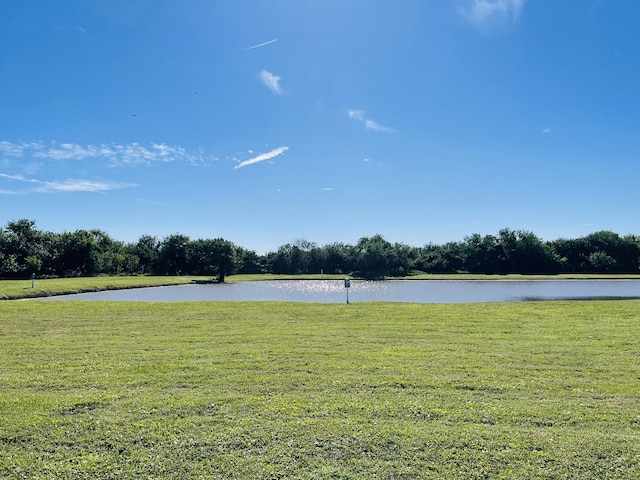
pixel 347 284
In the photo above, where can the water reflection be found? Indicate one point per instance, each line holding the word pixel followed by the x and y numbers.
pixel 416 291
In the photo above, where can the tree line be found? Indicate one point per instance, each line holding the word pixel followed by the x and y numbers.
pixel 27 250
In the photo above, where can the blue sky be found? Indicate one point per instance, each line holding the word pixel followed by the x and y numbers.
pixel 267 122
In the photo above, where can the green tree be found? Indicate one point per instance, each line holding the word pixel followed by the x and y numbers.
pixel 624 251
pixel 248 261
pixel 225 257
pixel 287 260
pixel 372 256
pixel 147 250
pixel 336 258
pixel 524 252
pixel 77 253
pixel 573 254
pixel 9 266
pixel 585 254
pixel 172 257
pixel 33 264
pixel 446 258
pixel 23 248
pixel 601 262
pixel 482 254
pixel 211 257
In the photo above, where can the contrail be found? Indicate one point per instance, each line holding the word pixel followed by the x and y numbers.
pixel 262 44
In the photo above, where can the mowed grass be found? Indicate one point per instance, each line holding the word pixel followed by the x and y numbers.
pixel 15 289
pixel 264 390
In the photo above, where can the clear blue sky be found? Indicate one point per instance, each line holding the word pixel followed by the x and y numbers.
pixel 266 122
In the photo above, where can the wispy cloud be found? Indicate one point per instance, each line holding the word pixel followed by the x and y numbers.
pixel 262 157
pixel 371 125
pixel 80 185
pixel 262 44
pixel 480 12
pixel 11 149
pixel 271 81
pixel 368 123
pixel 357 114
pixel 113 154
pixel 546 130
pixel 69 185
pixel 18 178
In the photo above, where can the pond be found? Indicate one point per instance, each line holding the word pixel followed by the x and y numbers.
pixel 416 291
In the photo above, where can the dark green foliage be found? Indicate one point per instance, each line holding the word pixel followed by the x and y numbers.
pixel 147 250
pixel 602 251
pixel 25 250
pixel 173 255
pixel 374 257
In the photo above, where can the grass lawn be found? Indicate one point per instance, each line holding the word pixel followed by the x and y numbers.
pixel 13 289
pixel 264 390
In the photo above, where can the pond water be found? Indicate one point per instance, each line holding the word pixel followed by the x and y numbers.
pixel 417 291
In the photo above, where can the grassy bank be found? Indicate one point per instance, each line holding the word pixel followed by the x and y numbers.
pixel 14 289
pixel 17 289
pixel 312 391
